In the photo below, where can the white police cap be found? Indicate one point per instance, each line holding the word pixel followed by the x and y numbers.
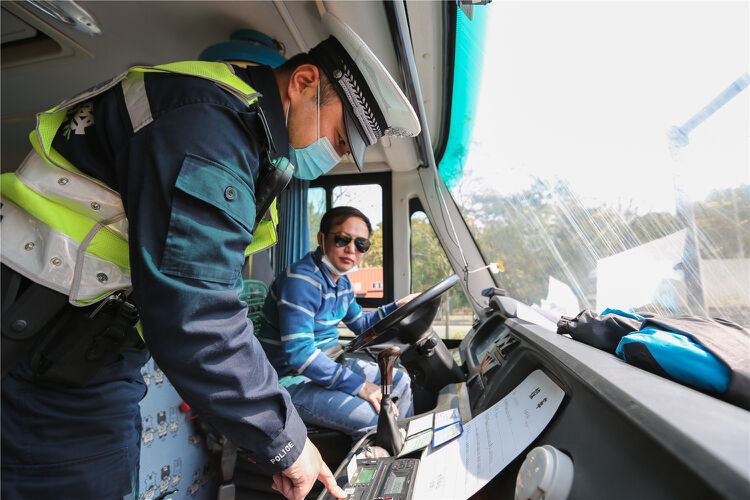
pixel 374 105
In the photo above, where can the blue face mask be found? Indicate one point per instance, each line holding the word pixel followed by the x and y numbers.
pixel 316 159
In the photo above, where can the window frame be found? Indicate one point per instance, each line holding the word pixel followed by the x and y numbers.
pixel 414 206
pixel 383 179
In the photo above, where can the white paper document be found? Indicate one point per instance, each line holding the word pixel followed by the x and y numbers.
pixel 489 442
pixel 419 424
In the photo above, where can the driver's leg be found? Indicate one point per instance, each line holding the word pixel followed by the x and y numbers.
pixel 330 408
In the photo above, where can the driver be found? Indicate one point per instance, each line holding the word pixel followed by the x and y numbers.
pixel 299 321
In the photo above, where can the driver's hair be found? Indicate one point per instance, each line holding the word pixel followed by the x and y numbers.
pixel 338 215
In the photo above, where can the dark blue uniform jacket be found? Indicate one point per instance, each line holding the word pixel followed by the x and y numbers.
pixel 186 252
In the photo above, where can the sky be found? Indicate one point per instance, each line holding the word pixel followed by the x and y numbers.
pixel 586 91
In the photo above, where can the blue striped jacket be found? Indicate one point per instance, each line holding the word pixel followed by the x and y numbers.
pixel 300 318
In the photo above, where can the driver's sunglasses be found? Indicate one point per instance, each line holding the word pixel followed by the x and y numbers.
pixel 341 239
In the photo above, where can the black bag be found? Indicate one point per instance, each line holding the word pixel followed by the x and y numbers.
pixel 602 332
pixel 727 341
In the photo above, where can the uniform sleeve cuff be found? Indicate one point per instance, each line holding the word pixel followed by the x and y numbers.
pixel 285 448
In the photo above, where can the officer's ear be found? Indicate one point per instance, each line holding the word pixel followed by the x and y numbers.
pixel 321 239
pixel 303 83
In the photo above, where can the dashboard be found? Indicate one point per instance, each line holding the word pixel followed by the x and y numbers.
pixel 629 433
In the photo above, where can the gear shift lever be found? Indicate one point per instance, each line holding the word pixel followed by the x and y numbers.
pixel 388 435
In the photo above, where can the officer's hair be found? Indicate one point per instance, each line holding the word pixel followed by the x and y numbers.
pixel 327 92
pixel 338 215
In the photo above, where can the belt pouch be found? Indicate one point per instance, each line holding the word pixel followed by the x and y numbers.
pixel 27 308
pixel 85 344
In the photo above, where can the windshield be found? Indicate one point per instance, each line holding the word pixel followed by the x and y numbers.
pixel 608 165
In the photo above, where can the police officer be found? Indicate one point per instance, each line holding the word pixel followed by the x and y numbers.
pixel 129 221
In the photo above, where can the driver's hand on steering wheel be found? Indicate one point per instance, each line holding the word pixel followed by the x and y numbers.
pixel 404 300
pixel 371 392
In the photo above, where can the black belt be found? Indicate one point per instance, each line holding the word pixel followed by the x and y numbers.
pixel 81 340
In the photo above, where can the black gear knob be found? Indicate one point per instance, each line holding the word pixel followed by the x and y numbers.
pixel 386 361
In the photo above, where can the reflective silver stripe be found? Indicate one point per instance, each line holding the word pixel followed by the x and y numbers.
pixel 136 101
pixel 355 318
pixel 303 277
pixel 306 311
pixel 74 191
pixel 89 93
pixel 293 336
pixel 245 98
pixel 329 295
pixel 104 86
pixel 48 257
pixel 81 252
pixel 309 360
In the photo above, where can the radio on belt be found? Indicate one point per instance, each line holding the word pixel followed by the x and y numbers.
pixel 383 479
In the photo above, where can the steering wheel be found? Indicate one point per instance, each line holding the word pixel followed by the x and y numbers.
pixel 416 315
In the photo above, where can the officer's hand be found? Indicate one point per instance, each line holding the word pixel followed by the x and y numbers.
pixel 297 481
pixel 371 393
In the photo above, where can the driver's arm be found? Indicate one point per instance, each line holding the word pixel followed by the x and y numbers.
pixel 298 302
pixel 360 321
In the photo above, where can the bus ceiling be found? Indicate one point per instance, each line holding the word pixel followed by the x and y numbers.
pixel 48 41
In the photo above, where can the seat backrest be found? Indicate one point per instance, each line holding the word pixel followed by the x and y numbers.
pixel 254 295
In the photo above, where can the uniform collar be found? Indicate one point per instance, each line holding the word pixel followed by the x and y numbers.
pixel 263 80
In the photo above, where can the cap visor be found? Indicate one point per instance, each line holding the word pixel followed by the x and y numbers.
pixel 357 144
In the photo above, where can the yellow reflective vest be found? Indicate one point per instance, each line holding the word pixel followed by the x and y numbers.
pixel 68 231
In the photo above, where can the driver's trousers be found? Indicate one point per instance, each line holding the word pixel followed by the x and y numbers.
pixel 339 410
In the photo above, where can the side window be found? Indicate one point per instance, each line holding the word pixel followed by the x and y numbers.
pixel 316 207
pixel 367 198
pixel 429 265
pixel 370 193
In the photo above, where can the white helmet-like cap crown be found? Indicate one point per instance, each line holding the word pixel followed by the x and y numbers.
pixel 374 105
